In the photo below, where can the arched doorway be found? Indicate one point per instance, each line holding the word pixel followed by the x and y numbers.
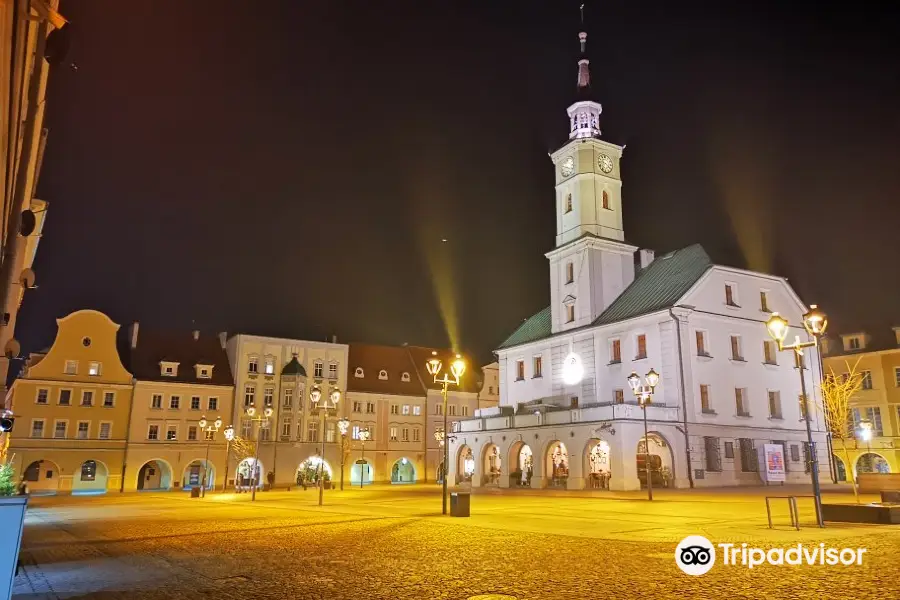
pixel 310 468
pixel 403 471
pixel 840 470
pixel 465 465
pixel 42 477
pixel 193 475
pixel 521 461
pixel 491 465
pixel 361 472
pixel 597 464
pixel 557 464
pixel 660 461
pixel 872 463
pixel 90 478
pixel 248 474
pixel 154 475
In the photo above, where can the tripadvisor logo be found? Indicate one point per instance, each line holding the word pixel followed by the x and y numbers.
pixel 696 555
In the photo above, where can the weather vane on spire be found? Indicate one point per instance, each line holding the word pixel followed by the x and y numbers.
pixel 584 74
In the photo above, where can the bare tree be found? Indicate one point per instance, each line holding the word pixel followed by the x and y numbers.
pixel 242 448
pixel 838 391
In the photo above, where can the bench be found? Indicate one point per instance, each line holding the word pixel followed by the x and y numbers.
pixel 870 483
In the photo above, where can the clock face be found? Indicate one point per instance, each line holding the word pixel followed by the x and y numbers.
pixel 567 167
pixel 605 163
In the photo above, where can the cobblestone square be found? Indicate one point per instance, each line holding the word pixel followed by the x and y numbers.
pixel 393 543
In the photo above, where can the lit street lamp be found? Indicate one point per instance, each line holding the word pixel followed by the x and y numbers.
pixel 815 323
pixel 209 433
pixel 457 368
pixel 229 435
pixel 263 421
pixel 323 410
pixel 363 437
pixel 865 432
pixel 343 426
pixel 644 394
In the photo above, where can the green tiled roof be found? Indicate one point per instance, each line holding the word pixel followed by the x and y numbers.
pixel 657 287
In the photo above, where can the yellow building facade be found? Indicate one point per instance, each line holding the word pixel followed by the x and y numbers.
pixel 877 403
pixel 71 409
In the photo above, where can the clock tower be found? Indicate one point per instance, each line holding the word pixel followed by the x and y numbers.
pixel 591 264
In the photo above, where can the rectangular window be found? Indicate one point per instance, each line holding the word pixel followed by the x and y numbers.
pixel 105 427
pixel 641 346
pixel 749 461
pixel 452 409
pixel 713 459
pixel 736 348
pixel 317 369
pixel 246 428
pixel 354 433
pixel 417 435
pixel 619 396
pixel 464 410
pixel 795 453
pixel 212 403
pixel 71 367
pixel 406 409
pixel 867 380
pixel 192 433
pixel 60 428
pixel 538 367
pixel 332 371
pixel 286 428
pixel 330 434
pixel 370 407
pixel 87 398
pixel 312 431
pixel 109 399
pixel 82 432
pixel 730 296
pixel 268 396
pixel 94 369
pixel 37 428
pixel 520 370
pixel 740 402
pixel 174 402
pixel 705 405
pixel 65 397
pixel 288 400
pixel 405 434
pixel 395 409
pixel 897 376
pixel 249 395
pixel 265 433
pixel 156 401
pixel 42 396
pixel 570 313
pixel 393 434
pixel 153 432
pixel 774 405
pixel 270 365
pixel 769 353
pixel 357 406
pixel 195 402
pixel 873 415
pixel 853 343
pixel 253 365
pixel 615 351
pixel 172 432
pixel 701 344
pixel 729 449
pixel 439 409
pixel 570 272
pixel 764 301
pixel 417 410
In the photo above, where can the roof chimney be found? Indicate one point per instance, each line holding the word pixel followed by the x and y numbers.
pixel 223 337
pixel 196 333
pixel 134 334
pixel 646 257
pixel 334 339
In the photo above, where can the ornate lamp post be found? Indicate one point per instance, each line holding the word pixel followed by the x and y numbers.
pixel 644 394
pixel 865 432
pixel 457 368
pixel 363 437
pixel 207 430
pixel 323 410
pixel 263 421
pixel 815 323
pixel 343 426
pixel 229 435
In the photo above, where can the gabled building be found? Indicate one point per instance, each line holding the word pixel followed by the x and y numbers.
pixel 179 379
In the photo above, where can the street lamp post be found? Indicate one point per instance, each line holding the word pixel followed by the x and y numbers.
pixel 229 435
pixel 865 432
pixel 323 410
pixel 207 430
pixel 263 421
pixel 457 368
pixel 363 437
pixel 343 426
pixel 814 322
pixel 440 437
pixel 644 394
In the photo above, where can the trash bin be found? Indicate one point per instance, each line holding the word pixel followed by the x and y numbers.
pixel 459 504
pixel 195 491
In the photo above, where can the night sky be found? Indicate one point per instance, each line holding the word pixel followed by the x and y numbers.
pixel 290 167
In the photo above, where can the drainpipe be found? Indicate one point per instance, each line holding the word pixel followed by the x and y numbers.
pixel 687 437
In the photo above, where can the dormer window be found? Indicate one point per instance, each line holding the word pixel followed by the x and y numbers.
pixel 168 369
pixel 404 377
pixel 382 374
pixel 358 372
pixel 854 342
pixel 203 371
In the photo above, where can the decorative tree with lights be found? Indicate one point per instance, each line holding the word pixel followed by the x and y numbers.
pixel 837 393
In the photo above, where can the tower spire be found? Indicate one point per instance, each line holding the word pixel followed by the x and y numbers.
pixel 584 71
pixel 584 115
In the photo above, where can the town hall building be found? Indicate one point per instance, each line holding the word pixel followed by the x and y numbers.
pixel 567 416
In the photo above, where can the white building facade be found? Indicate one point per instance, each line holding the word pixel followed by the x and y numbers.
pixel 567 417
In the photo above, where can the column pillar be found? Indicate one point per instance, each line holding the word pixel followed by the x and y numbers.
pixel 623 457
